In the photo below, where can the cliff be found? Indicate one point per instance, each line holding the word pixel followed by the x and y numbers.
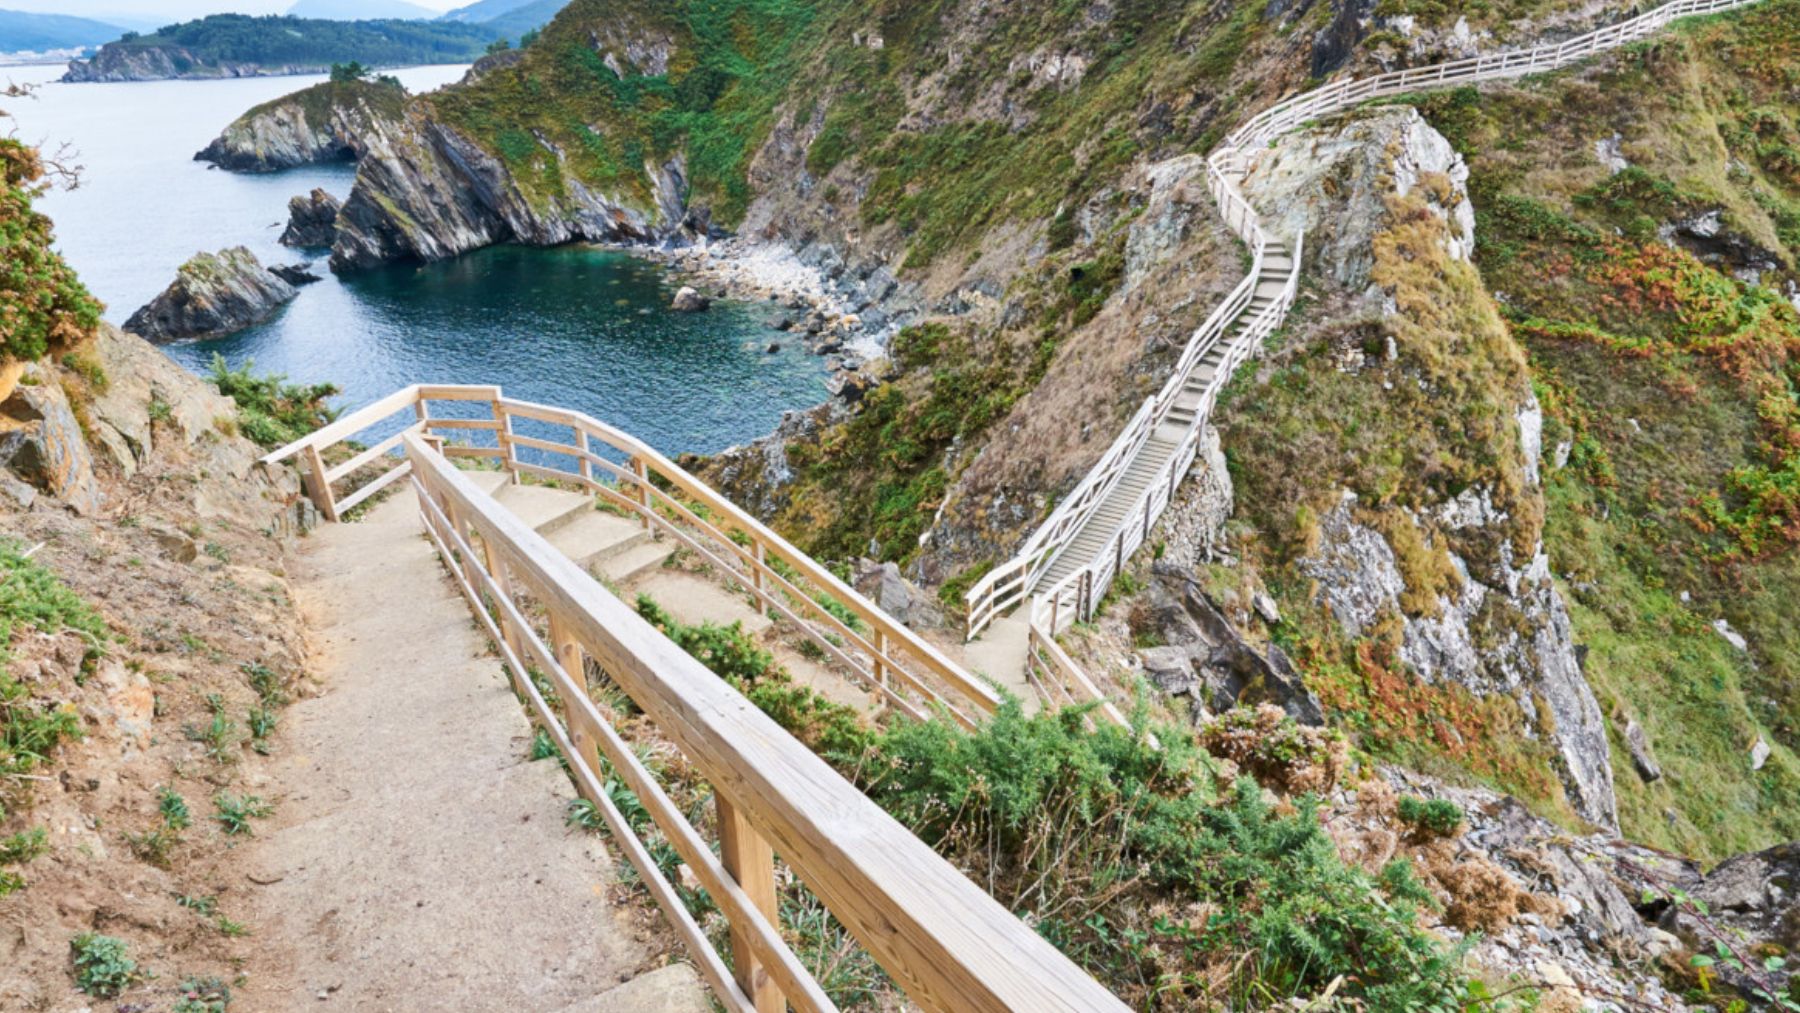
pixel 212 295
pixel 327 122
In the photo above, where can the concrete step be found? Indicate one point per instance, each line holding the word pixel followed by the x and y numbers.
pixel 674 988
pixel 636 560
pixel 596 536
pixel 544 508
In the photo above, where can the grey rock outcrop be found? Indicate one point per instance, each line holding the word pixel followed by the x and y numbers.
pixel 115 62
pixel 688 300
pixel 212 295
pixel 125 431
pixel 425 192
pixel 328 122
pixel 1333 182
pixel 1204 655
pixel 1753 902
pixel 312 220
pixel 41 445
pixel 1497 624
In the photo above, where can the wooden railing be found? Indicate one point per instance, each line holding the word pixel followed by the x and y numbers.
pixel 891 661
pixel 1278 119
pixel 1074 597
pixel 943 940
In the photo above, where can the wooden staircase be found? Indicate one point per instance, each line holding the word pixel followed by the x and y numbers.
pixel 1165 441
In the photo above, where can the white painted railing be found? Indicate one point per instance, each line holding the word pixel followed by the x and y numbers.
pixel 1075 596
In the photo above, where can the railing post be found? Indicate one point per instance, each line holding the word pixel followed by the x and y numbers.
pixel 503 437
pixel 750 860
pixel 642 490
pixel 496 568
pixel 881 668
pixel 759 558
pixel 573 661
pixel 587 466
pixel 318 486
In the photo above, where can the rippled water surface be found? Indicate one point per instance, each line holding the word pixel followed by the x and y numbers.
pixel 578 327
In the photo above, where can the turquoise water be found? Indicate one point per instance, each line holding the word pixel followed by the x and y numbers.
pixel 577 327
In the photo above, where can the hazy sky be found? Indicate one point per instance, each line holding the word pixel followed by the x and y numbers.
pixel 174 10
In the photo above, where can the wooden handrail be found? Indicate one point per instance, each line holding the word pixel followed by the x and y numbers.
pixel 890 658
pixel 947 943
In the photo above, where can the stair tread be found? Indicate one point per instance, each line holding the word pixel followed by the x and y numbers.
pixel 634 561
pixel 597 533
pixel 542 508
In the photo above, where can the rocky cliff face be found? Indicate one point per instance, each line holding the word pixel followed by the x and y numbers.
pixel 1438 553
pixel 212 295
pixel 328 122
pixel 312 221
pixel 115 63
pixel 424 191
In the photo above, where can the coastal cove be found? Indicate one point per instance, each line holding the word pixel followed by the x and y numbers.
pixel 586 327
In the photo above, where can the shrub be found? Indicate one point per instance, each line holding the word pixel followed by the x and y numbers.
pixel 17 849
pixel 102 965
pixel 1433 817
pixel 271 411
pixel 43 305
pixel 174 809
pixel 1276 749
pixel 1102 839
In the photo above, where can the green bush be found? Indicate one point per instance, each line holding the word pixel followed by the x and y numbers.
pixel 1059 819
pixel 102 965
pixel 31 597
pixel 18 849
pixel 43 305
pixel 271 411
pixel 1434 817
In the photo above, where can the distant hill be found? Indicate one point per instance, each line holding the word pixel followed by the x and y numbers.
pixel 361 10
pixel 235 45
pixel 21 31
pixel 485 10
pixel 531 15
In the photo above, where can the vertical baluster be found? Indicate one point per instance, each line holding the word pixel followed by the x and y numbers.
pixel 750 860
pixel 319 486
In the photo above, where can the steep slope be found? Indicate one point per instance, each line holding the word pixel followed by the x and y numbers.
pixel 327 122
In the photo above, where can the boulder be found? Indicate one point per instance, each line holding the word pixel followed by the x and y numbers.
pixel 1170 670
pixel 1751 901
pixel 41 444
pixel 910 605
pixel 296 274
pixel 312 220
pixel 687 300
pixel 1641 757
pixel 213 295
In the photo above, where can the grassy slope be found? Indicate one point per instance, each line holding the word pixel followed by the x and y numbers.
pixel 1675 385
pixel 385 98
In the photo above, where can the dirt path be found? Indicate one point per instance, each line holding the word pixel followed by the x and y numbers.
pixel 417 860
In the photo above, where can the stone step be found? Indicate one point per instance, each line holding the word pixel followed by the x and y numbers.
pixel 636 560
pixel 544 508
pixel 673 988
pixel 597 536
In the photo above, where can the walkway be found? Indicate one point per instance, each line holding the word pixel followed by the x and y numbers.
pixel 416 859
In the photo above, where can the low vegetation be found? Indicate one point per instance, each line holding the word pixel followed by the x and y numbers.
pixel 32 598
pixel 1176 883
pixel 1668 384
pixel 271 411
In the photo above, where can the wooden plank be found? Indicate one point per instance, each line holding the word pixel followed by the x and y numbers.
pixel 947 943
pixel 485 424
pixel 349 425
pixel 386 479
pixel 378 450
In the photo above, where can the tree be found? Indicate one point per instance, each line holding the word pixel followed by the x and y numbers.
pixel 345 72
pixel 43 305
pixel 498 46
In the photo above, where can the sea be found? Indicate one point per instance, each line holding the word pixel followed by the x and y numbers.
pixel 576 326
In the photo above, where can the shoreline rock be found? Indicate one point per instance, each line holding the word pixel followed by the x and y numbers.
pixel 312 220
pixel 328 122
pixel 213 294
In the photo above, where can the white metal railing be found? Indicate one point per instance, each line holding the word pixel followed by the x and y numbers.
pixel 1075 596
